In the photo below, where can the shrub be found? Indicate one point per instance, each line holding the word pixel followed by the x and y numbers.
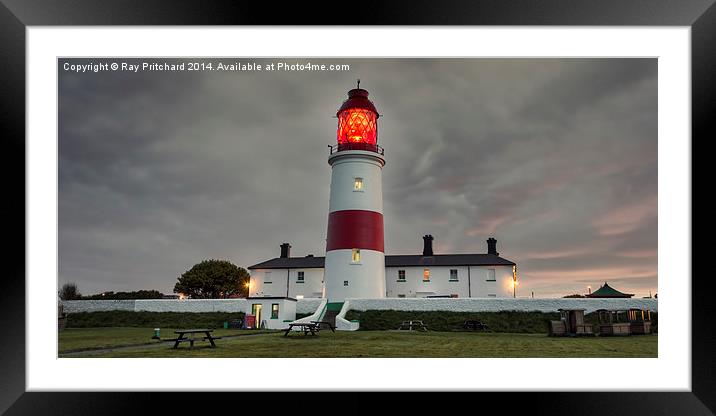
pixel 503 321
pixel 150 319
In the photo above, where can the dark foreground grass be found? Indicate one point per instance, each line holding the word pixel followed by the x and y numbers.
pixel 403 344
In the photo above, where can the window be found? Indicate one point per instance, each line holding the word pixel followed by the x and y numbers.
pixel 345 283
pixel 355 256
pixel 491 295
pixel 358 184
pixel 267 278
pixel 453 275
pixel 274 311
pixel 426 275
pixel 300 277
pixel 401 275
pixel 490 275
pixel 401 296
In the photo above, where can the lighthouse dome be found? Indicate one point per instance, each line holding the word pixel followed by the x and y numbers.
pixel 358 98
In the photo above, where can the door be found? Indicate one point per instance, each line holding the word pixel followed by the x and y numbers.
pixel 256 311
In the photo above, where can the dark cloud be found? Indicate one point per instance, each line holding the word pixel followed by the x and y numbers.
pixel 556 158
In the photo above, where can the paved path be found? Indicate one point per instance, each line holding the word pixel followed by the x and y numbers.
pixel 137 347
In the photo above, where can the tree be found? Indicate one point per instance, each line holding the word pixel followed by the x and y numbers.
pixel 69 291
pixel 213 279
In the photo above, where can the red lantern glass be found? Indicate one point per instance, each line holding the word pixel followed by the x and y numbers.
pixel 357 125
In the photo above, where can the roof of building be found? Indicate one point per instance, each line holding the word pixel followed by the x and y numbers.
pixel 607 291
pixel 392 261
pixel 271 298
pixel 447 260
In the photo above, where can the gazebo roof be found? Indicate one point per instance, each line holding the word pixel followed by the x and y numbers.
pixel 607 291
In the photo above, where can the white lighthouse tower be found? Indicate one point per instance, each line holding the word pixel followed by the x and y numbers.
pixel 355 256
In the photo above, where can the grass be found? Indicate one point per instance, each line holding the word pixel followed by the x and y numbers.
pixel 371 344
pixel 75 339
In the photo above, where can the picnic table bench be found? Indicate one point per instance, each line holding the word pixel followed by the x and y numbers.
pixel 474 325
pixel 324 323
pixel 305 327
pixel 409 325
pixel 311 327
pixel 181 337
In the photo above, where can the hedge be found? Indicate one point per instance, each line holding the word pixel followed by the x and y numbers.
pixel 504 321
pixel 151 319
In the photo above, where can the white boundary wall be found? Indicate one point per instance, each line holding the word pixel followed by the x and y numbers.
pixel 496 304
pixel 156 305
pixel 190 305
pixel 73 306
pixel 310 305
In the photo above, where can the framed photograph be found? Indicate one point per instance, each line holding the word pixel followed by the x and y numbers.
pixel 482 197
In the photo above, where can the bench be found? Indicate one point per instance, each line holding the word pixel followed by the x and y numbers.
pixel 182 338
pixel 324 323
pixel 475 325
pixel 409 325
pixel 305 327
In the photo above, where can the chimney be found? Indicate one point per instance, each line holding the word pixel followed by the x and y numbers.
pixel 427 245
pixel 492 246
pixel 285 250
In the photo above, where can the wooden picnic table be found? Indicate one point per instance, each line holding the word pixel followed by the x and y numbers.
pixel 476 325
pixel 182 336
pixel 409 325
pixel 305 327
pixel 324 323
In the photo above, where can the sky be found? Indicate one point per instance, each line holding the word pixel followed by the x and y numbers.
pixel 555 158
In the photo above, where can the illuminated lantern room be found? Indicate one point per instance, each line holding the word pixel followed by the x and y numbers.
pixel 358 122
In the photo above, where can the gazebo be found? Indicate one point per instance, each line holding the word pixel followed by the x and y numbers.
pixel 607 291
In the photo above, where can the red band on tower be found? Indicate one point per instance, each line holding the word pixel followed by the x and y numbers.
pixel 350 229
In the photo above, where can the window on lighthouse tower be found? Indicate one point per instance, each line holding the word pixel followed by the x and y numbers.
pixel 358 184
pixel 355 256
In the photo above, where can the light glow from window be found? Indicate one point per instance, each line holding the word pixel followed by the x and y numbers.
pixel 358 184
pixel 355 256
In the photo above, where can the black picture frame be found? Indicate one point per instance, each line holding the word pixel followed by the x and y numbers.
pixel 16 15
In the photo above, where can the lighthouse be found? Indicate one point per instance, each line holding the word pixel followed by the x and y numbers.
pixel 355 256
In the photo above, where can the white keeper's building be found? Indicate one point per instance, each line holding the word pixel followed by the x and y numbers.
pixel 406 276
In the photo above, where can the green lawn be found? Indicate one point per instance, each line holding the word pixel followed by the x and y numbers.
pixel 365 344
pixel 73 339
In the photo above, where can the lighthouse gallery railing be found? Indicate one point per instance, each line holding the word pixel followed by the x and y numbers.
pixel 356 146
